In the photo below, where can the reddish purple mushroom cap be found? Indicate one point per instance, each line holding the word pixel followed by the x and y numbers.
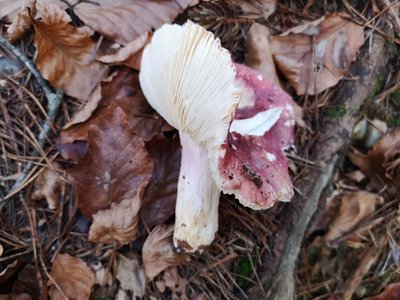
pixel 253 165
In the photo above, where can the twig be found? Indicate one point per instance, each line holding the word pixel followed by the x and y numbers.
pixel 53 104
pixel 284 283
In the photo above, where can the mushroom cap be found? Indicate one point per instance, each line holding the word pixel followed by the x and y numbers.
pixel 252 164
pixel 189 79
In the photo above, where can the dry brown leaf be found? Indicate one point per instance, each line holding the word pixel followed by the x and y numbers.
pixel 10 8
pixel 122 90
pixel 49 186
pixel 391 292
pixel 354 207
pixel 131 275
pixel 315 55
pixel 125 20
pixel 160 195
pixel 73 276
pixel 377 162
pixel 13 296
pixel 259 55
pixel 118 224
pixel 115 167
pixel 27 282
pixel 159 253
pixel 102 275
pixel 23 21
pixel 176 284
pixel 265 8
pixel 129 55
pixel 65 53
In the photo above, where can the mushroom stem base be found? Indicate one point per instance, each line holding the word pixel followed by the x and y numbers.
pixel 198 198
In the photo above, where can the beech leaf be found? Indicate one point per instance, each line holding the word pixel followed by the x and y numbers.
pixel 160 195
pixel 130 275
pixel 64 53
pixel 125 20
pixel 354 207
pixel 22 21
pixel 315 55
pixel 123 90
pixel 49 186
pixel 376 163
pixel 159 253
pixel 119 223
pixel 73 276
pixel 115 167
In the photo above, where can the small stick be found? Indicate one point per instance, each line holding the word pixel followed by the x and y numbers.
pixel 53 104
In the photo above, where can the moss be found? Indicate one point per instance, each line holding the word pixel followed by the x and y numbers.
pixel 394 120
pixel 245 270
pixel 336 111
pixel 379 84
pixel 396 98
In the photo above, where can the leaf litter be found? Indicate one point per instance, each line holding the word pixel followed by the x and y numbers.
pixel 116 116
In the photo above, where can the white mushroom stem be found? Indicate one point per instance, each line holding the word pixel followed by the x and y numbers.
pixel 198 198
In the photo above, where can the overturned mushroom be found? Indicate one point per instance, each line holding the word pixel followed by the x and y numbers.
pixel 190 80
pixel 253 166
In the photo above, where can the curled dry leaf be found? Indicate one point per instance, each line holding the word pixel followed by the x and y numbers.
pixel 314 56
pixel 176 284
pixel 123 90
pixel 102 274
pixel 379 160
pixel 257 7
pixel 65 53
pixel 391 292
pixel 259 55
pixel 115 167
pixel 22 21
pixel 159 253
pixel 131 275
pixel 118 224
pixel 125 20
pixel 354 207
pixel 160 195
pixel 129 55
pixel 73 276
pixel 49 186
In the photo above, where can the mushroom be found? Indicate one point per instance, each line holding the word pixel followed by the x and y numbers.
pixel 254 167
pixel 189 79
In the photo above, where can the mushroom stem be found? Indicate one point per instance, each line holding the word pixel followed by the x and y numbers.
pixel 197 201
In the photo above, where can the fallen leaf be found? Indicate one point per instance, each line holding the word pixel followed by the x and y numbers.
pixel 391 292
pixel 122 89
pixel 73 276
pixel 115 167
pixel 64 53
pixel 28 283
pixel 259 55
pixel 129 55
pixel 102 275
pixel 22 22
pixel 176 284
pixel 265 8
pixel 118 224
pixel 130 275
pixel 13 296
pixel 160 195
pixel 315 55
pixel 159 253
pixel 354 207
pixel 10 8
pixel 49 186
pixel 125 20
pixel 377 162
